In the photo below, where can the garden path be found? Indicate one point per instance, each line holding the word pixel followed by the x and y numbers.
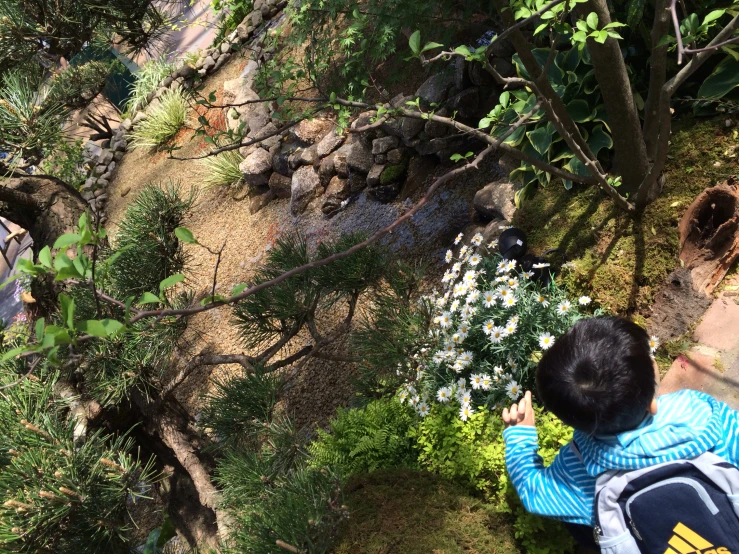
pixel 712 364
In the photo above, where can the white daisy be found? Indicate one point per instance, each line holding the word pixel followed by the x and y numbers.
pixel 441 302
pixel 469 277
pixel 509 302
pixel 423 409
pixel 464 250
pixel 511 265
pixel 546 340
pixel 512 283
pixel 438 357
pixel 501 279
pixel 403 396
pixel 504 292
pixel 448 256
pixel 584 300
pixel 493 243
pixel 461 384
pixel 454 306
pixel 501 267
pixel 466 412
pixel 513 390
pixel 457 338
pixel 540 266
pixel 488 326
pixel 473 296
pixel 446 320
pixel 458 239
pixel 564 307
pixel 476 381
pixel 460 289
pixel 449 348
pixel 457 267
pixel 464 330
pixel 448 277
pixel 497 334
pixel 414 400
pixel 488 299
pixel 514 319
pixel 541 299
pixel 465 358
pixel 474 259
pixel 528 274
pixel 444 394
pixel 510 328
pixel 477 239
pixel 497 370
pixel 653 343
pixel 487 382
pixel 468 311
pixel 464 397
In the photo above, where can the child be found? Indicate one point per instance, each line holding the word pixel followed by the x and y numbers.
pixel 600 379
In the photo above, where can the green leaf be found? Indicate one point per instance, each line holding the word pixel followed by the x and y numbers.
pixel 148 298
pixel 599 139
pixel 635 13
pixel 67 306
pixel 40 323
pixel 44 257
pixel 185 235
pixel 171 281
pixel 601 36
pixel 99 328
pixel 463 50
pixel 540 138
pixel 581 25
pixel 540 28
pixel 431 46
pixel 592 20
pixel 666 40
pixel 579 110
pixel 415 42
pixel 238 289
pixel 713 16
pixel 10 354
pixel 504 98
pixel 580 36
pixel 484 123
pixel 66 240
pixel 211 299
pixel 724 79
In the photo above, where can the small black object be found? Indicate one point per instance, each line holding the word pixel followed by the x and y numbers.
pixel 512 244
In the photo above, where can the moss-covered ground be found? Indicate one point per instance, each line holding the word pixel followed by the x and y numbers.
pixel 619 261
pixel 408 512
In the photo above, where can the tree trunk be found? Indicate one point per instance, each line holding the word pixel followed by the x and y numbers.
pixel 623 118
pixel 44 205
pixel 657 76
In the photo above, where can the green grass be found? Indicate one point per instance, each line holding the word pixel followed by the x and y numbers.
pixel 148 78
pixel 620 262
pixel 223 169
pixel 164 120
pixel 409 512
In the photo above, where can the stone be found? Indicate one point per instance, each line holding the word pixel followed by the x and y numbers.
pixel 504 67
pixel 104 157
pixel 380 159
pixel 111 167
pixel 225 47
pixel 208 63
pixel 384 193
pixel 479 75
pixel 434 90
pixel 256 168
pixel 373 177
pixel 713 330
pixel 432 146
pixel 309 156
pixel 186 72
pixel 419 169
pixel 436 129
pixel 280 185
pixel 256 18
pixel 102 182
pixel 125 191
pixel 100 169
pixel 90 183
pixel 393 127
pixel 311 131
pixel 502 48
pixel 357 183
pixel 465 103
pixel 410 127
pixel 382 145
pixel 496 200
pixel 342 168
pixel 167 81
pixel 221 61
pixel 508 164
pixel 243 31
pixel 460 73
pixel 305 187
pixel 259 201
pixel 396 155
pixel 258 4
pixel 139 117
pixel 107 176
pixel 337 192
pixel 280 163
pixel 257 118
pixel 118 156
pixel 359 157
pixel 126 124
pixel 327 170
pixel 269 129
pixel 329 143
pixel 98 192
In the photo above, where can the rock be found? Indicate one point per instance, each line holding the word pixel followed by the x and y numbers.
pixel 460 74
pixel 280 164
pixel 186 72
pixel 393 127
pixel 225 47
pixel 167 81
pixel 125 191
pixel 465 103
pixel 268 129
pixel 126 124
pixel 380 159
pixel 419 169
pixel 432 146
pixel 259 201
pixel 327 170
pixel 309 156
pixel 99 169
pixel 434 89
pixel 382 145
pixel 305 187
pixel 342 168
pixel 214 53
pixel 359 157
pixel 508 164
pixel 479 75
pixel 105 157
pixel 139 117
pixel 496 200
pixel 410 127
pixel 103 182
pixel 256 18
pixel 98 192
pixel 90 183
pixel 435 129
pixel 329 143
pixel 393 174
pixel 357 183
pixel 502 48
pixel 311 131
pixel 258 117
pixel 373 177
pixel 243 31
pixel 118 156
pixel 504 67
pixel 493 230
pixel 280 185
pixel 384 193
pixel 208 63
pixel 295 160
pixel 337 192
pixel 396 155
pixel 111 167
pixel 221 61
pixel 256 168
pixel 258 4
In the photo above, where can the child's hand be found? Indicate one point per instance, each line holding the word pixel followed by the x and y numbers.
pixel 521 413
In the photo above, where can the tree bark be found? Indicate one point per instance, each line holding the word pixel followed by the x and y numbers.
pixel 44 205
pixel 615 88
pixel 657 76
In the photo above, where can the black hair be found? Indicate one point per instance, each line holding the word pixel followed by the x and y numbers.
pixel 598 377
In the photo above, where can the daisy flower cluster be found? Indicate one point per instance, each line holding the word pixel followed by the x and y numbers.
pixel 490 323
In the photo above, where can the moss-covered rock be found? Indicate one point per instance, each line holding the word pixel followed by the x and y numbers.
pixel 394 173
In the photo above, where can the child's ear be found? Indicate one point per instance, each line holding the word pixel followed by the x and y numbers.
pixel 653 406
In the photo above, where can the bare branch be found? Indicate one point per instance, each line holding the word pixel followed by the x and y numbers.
pixel 201 360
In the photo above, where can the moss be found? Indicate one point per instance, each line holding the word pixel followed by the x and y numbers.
pixel 393 173
pixel 622 262
pixel 412 512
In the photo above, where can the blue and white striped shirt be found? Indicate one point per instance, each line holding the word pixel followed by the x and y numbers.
pixel 687 424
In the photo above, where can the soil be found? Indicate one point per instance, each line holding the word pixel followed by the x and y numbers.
pixel 677 307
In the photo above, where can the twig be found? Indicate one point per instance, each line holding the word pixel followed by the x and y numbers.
pixel 201 360
pixel 27 375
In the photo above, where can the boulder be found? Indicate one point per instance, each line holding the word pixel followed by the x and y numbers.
pixel 479 75
pixel 257 117
pixel 266 131
pixel 243 31
pixel 357 183
pixel 435 129
pixel 419 169
pixel 432 146
pixel 327 170
pixel 311 131
pixel 508 164
pixel 99 170
pixel 384 193
pixel 126 124
pixel 382 145
pixel 208 63
pixel 256 18
pixel 359 157
pixel 304 188
pixel 280 163
pixel 139 117
pixel 185 72
pixel 496 200
pixel 410 127
pixel 225 47
pixel 393 127
pixel 342 168
pixel 256 168
pixel 373 177
pixel 465 103
pixel 259 201
pixel 118 156
pixel 434 90
pixel 337 192
pixel 396 155
pixel 104 157
pixel 280 185
pixel 222 59
pixel 329 143
pixel 380 159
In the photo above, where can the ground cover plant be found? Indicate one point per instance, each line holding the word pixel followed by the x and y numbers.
pixel 163 121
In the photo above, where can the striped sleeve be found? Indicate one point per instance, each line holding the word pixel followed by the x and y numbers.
pixel 728 447
pixel 562 490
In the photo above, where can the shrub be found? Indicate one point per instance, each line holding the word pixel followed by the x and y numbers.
pixel 367 439
pixel 148 78
pixel 66 162
pixel 473 453
pixel 164 120
pixel 77 85
pixel 223 169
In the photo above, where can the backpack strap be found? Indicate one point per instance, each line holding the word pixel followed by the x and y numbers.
pixel 573 446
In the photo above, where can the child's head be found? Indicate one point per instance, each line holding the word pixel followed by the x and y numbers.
pixel 599 376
